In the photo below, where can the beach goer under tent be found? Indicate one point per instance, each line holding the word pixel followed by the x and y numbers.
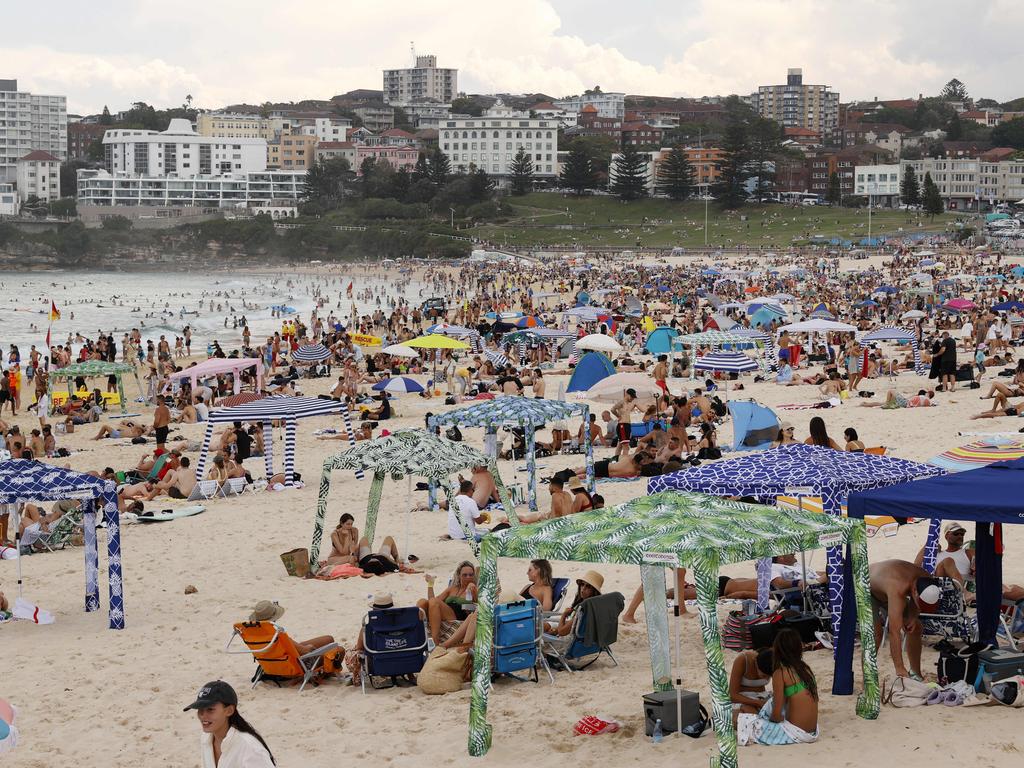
pixel 561 503
pixel 465 511
pixel 587 586
pixel 228 738
pixel 748 680
pixel 901 591
pixel 344 542
pixel 446 609
pixel 819 434
pixel 955 561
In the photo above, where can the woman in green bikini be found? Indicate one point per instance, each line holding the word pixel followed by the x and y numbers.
pixel 449 605
pixel 791 715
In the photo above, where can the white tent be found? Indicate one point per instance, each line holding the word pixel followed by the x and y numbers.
pixel 598 342
pixel 817 326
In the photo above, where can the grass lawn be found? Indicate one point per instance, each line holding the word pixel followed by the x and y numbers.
pixel 545 218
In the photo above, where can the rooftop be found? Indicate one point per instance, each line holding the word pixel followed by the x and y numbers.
pixel 38 155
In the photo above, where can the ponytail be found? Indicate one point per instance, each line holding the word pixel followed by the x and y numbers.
pixel 240 724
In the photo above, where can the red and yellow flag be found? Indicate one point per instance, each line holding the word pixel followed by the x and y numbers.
pixel 54 312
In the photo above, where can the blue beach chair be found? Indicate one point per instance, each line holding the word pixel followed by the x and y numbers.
pixel 394 644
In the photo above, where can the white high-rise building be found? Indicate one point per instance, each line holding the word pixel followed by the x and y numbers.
pixel 611 105
pixel 424 82
pixel 30 122
pixel 490 142
pixel 182 152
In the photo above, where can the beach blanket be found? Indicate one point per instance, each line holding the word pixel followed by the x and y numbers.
pixel 759 729
pixel 619 479
pixel 331 572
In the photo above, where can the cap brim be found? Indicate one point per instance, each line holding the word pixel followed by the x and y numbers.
pixel 199 704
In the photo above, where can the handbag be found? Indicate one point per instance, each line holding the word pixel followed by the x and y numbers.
pixel 907 692
pixel 296 562
pixel 443 671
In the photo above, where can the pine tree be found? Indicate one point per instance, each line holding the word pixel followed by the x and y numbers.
pixel 910 190
pixel 521 172
pixel 422 169
pixel 578 171
pixel 480 186
pixel 629 175
pixel 764 138
pixel 732 168
pixel 440 168
pixel 932 199
pixel 834 196
pixel 675 175
pixel 954 90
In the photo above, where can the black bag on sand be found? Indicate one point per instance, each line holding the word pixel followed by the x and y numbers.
pixel 805 624
pixel 956 664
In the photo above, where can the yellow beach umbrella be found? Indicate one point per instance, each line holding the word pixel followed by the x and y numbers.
pixel 435 341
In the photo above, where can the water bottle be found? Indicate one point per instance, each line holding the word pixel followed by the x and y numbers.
pixel 658 734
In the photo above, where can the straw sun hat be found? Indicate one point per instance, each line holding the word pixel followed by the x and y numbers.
pixel 593 578
pixel 266 610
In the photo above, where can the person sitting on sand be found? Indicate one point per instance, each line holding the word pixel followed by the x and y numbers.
pixel 363 432
pixel 581 500
pixel 561 504
pixel 381 601
pixel 218 471
pixel 271 610
pixel 447 608
pixel 177 483
pixel 785 435
pixel 819 434
pixel 853 442
pixel 344 542
pixel 791 715
pixel 833 386
pixel 587 586
pixel 1013 389
pixel 748 680
pixel 380 414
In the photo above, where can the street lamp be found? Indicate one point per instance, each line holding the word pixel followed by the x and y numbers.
pixel 453 217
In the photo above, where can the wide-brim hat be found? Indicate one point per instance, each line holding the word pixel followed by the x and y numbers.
pixel 574 484
pixel 266 610
pixel 593 578
pixel 382 600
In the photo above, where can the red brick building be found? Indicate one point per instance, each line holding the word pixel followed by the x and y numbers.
pixel 80 138
pixel 641 134
pixel 592 124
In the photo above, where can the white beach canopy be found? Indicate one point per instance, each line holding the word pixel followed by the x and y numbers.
pixel 817 326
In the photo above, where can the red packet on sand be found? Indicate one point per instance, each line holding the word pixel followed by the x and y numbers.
pixel 591 725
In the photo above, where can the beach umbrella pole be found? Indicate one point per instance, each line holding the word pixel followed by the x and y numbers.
pixel 17 540
pixel 408 514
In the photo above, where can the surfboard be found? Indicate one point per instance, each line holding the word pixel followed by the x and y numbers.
pixel 170 514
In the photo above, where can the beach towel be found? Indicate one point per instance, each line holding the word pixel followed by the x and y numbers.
pixel 618 479
pixel 759 729
pixel 331 572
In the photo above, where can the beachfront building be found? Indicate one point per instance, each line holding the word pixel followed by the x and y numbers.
pixel 610 105
pixel 490 142
pixel 332 150
pixel 396 157
pixel 326 128
pixel 290 151
pixel 421 83
pixel 967 182
pixel 796 104
pixel 100 188
pixel 9 204
pixel 29 121
pixel 879 183
pixel 38 175
pixel 180 151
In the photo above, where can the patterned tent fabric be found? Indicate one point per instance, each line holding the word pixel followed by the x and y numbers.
pixel 311 353
pixel 801 470
pixel 716 339
pixel 979 454
pixel 726 361
pixel 671 530
pixel 895 333
pixel 22 480
pixel 527 413
pixel 405 452
pixel 90 368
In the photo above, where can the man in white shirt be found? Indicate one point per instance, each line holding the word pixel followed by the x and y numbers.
pixel 466 509
pixel 202 410
pixel 786 573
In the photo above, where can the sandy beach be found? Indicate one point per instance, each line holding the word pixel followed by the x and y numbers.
pixel 89 696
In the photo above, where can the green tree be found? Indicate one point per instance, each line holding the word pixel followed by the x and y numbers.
pixel 932 200
pixel 402 119
pixel 765 139
pixel 954 128
pixel 34 206
pixel 954 90
pixel 521 171
pixel 466 106
pixel 116 223
pixel 105 117
pixel 72 241
pixel 910 189
pixel 481 187
pixel 440 168
pixel 64 207
pixel 599 149
pixel 834 195
pixel 675 175
pixel 69 177
pixel 629 174
pixel 327 181
pixel 578 171
pixel 422 169
pixel 1009 134
pixel 733 167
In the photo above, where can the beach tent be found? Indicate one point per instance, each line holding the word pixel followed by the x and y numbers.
pixel 817 325
pixel 659 341
pixel 89 369
pixel 404 453
pixel 268 410
pixel 892 333
pixel 801 470
pixel 590 369
pixel 674 530
pixel 753 425
pixel 22 480
pixel 764 317
pixel 748 339
pixel 218 365
pixel 528 414
pixel 1006 306
pixel 990 496
pixel 311 353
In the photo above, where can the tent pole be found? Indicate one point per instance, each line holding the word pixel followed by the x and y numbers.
pixel 16 507
pixel 679 655
pixel 408 513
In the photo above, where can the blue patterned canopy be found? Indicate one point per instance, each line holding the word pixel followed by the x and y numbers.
pixel 22 480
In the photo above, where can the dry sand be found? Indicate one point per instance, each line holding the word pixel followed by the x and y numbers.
pixel 90 696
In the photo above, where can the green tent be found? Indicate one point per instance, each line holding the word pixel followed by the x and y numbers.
pixel 673 529
pixel 93 368
pixel 403 453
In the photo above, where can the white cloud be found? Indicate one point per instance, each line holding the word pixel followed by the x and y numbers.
pixel 231 51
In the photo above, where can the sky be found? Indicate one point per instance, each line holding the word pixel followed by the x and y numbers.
pixel 231 51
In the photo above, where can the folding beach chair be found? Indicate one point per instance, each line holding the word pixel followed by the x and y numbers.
pixel 235 486
pixel 1011 618
pixel 205 490
pixel 394 644
pixel 518 635
pixel 574 647
pixel 60 532
pixel 559 588
pixel 278 659
pixel 950 618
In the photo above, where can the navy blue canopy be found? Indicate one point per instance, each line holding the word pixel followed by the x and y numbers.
pixel 988 495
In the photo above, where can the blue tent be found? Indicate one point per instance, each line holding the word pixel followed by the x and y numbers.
pixel 1006 306
pixel 591 368
pixel 582 299
pixel 659 341
pixel 753 426
pixel 988 495
pixel 1017 271
pixel 764 317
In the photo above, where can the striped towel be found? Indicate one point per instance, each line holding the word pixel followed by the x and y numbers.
pixel 619 479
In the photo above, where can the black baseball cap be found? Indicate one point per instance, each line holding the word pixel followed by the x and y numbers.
pixel 212 693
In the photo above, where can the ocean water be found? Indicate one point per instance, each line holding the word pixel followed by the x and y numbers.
pixel 164 303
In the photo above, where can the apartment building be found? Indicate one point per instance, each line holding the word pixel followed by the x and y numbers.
pixel 291 151
pixel 81 137
pixel 28 122
pixel 969 182
pixel 376 118
pixel 232 125
pixel 9 203
pixel 181 151
pixel 332 150
pixel 492 140
pixel 879 183
pixel 421 83
pixel 592 123
pixel 842 163
pixel 100 188
pixel 39 176
pixel 609 105
pixel 641 134
pixel 396 157
pixel 705 162
pixel 799 105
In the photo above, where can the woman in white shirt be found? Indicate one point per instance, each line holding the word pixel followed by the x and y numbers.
pixel 228 741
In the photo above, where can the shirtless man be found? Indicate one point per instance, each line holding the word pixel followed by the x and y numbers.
pixel 596 435
pixel 161 418
pixel 661 373
pixel 484 488
pixel 538 384
pixel 902 589
pixel 623 466
pixel 177 483
pixel 622 411
pixel 561 504
pixel 124 429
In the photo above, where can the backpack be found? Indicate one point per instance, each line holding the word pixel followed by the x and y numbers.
pixel 709 453
pixel 956 664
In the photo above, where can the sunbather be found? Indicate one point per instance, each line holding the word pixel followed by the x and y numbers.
pixel 177 483
pixel 791 715
pixel 748 681
pixel 446 609
pixel 124 429
pixel 384 560
pixel 269 610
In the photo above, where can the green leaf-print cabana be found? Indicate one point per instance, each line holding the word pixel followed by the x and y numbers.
pixel 674 529
pixel 405 452
pixel 528 414
pixel 92 369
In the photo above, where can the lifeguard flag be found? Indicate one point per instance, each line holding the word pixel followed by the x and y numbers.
pixel 54 312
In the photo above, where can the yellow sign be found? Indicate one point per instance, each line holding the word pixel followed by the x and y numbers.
pixel 364 340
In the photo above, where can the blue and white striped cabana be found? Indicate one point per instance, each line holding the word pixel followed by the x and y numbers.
pixel 894 333
pixel 268 410
pixel 311 353
pixel 726 362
